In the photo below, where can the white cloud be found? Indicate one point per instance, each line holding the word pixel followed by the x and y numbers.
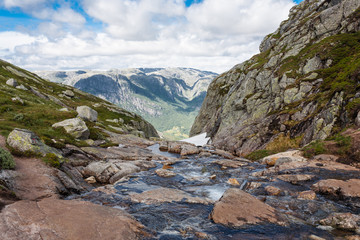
pixel 212 35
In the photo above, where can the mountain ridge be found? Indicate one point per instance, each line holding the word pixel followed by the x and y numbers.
pixel 169 98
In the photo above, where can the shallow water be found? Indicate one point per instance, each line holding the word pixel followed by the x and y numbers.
pixel 181 220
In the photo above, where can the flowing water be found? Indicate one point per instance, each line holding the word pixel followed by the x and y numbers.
pixel 182 220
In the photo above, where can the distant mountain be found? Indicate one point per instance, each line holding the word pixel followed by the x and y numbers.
pixel 169 98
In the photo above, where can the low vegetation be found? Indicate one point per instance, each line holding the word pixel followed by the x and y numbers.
pixel 6 159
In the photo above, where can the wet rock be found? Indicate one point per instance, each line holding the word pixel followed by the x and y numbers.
pixel 233 181
pixel 253 185
pixel 24 141
pixel 339 188
pixel 87 113
pixel 163 146
pixel 343 221
pixel 11 82
pixel 60 219
pixel 223 154
pixel 111 171
pixel 283 157
pixel 237 208
pixel 204 154
pixel 230 163
pixel 162 195
pixel 125 169
pixel 307 195
pixel 296 179
pixel 75 127
pixel 91 180
pixel 273 191
pixel 165 173
pixel 189 150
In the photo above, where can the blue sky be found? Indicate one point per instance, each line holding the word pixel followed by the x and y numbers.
pixel 207 34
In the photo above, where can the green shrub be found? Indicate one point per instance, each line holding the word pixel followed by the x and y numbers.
pixel 6 159
pixel 52 159
pixel 315 148
pixel 259 154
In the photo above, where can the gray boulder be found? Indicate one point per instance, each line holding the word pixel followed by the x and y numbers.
pixel 12 82
pixel 22 87
pixel 87 113
pixel 69 93
pixel 76 127
pixel 25 141
pixel 357 119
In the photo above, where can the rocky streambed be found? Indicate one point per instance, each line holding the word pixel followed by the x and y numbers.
pixel 213 195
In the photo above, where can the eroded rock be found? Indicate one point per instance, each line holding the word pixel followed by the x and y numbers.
pixel 237 208
pixel 75 127
pixel 339 188
pixel 87 113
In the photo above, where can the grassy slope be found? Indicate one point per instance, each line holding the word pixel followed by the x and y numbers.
pixel 38 114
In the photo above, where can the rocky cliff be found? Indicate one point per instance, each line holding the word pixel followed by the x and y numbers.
pixel 303 86
pixel 169 98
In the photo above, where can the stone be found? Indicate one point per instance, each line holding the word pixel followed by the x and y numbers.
pixel 164 195
pixel 296 178
pixel 189 150
pixel 17 99
pixel 91 180
pixel 76 127
pixel 67 182
pixel 253 185
pixel 273 191
pixel 101 170
pixel 283 157
pixel 163 146
pixel 12 82
pixel 357 119
pixel 307 195
pixel 230 163
pixel 87 113
pixel 165 173
pixel 67 219
pixel 64 110
pixel 233 182
pixel 177 146
pixel 125 169
pixel 22 87
pixel 25 141
pixel 223 154
pixel 343 221
pixel 237 208
pixel 69 93
pixel 339 188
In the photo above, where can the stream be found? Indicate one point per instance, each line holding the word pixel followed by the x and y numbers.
pixel 195 176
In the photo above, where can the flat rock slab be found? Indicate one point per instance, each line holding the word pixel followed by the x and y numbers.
pixel 122 153
pixel 162 195
pixel 62 219
pixel 349 188
pixel 237 208
pixel 230 163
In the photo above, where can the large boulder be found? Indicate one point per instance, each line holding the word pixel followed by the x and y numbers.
pixel 113 170
pixel 237 208
pixel 283 157
pixel 87 113
pixel 76 127
pixel 12 82
pixel 59 219
pixel 338 188
pixel 25 141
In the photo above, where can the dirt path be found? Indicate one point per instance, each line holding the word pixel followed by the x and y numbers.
pixel 34 179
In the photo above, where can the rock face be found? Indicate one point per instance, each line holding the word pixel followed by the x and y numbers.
pixel 87 113
pixel 60 219
pixel 75 127
pixel 237 208
pixel 24 140
pixel 275 93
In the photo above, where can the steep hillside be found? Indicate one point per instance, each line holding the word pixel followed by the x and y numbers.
pixel 303 86
pixel 29 102
pixel 169 98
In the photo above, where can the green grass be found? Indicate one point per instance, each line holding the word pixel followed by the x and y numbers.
pixel 259 154
pixel 38 114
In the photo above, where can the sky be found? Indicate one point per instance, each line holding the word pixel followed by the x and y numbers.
pixel 209 35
